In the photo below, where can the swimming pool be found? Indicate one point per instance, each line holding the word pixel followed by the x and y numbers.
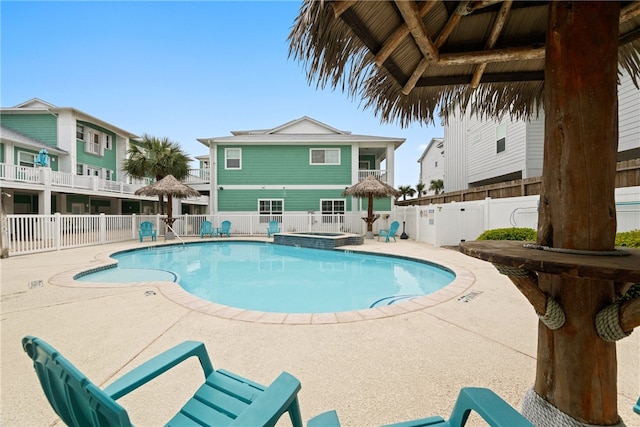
pixel 282 279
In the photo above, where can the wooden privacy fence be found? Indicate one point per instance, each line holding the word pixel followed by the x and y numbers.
pixel 627 175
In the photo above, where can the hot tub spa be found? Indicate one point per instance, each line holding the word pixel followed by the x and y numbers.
pixel 317 240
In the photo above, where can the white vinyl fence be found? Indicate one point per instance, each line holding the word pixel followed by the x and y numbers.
pixel 24 234
pixel 439 225
pixel 452 223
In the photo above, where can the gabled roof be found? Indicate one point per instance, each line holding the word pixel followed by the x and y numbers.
pixel 303 125
pixel 10 135
pixel 435 142
pixel 302 130
pixel 36 104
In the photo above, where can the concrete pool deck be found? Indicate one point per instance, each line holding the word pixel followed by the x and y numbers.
pixel 403 365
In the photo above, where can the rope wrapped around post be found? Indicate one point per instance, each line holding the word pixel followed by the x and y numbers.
pixel 548 309
pixel 608 324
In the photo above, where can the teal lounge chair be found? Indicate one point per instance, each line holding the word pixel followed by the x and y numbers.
pixel 225 399
pixel 636 407
pixel 391 232
pixel 206 228
pixel 495 411
pixel 146 230
pixel 274 227
pixel 225 229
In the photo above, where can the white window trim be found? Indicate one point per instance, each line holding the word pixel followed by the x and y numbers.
pixel 266 217
pixel 337 217
pixel 27 158
pixel 501 132
pixel 333 202
pixel 83 131
pixel 92 147
pixel 226 150
pixel 311 150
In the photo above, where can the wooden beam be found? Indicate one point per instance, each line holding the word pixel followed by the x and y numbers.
pixel 415 76
pixel 630 11
pixel 629 37
pixel 522 76
pixel 453 21
pixel 399 34
pixel 496 55
pixel 340 6
pixel 491 41
pixel 411 15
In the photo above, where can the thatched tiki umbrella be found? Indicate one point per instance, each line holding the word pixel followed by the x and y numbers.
pixel 372 188
pixel 170 187
pixel 408 59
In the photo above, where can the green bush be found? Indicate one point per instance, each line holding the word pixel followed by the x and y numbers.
pixel 628 239
pixel 514 233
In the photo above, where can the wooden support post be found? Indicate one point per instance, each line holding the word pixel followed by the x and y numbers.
pixel 576 369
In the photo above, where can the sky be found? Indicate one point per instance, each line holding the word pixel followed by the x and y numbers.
pixel 181 70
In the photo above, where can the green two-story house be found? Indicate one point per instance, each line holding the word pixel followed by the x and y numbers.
pixel 83 169
pixel 302 166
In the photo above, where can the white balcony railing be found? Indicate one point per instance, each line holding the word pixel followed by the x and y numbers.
pixel 48 177
pixel 198 176
pixel 380 174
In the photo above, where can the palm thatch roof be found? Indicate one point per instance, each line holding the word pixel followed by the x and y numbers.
pixel 371 187
pixel 410 60
pixel 168 186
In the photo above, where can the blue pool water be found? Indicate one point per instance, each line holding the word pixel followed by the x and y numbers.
pixel 276 278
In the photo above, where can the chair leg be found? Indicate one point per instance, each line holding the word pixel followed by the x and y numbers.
pixel 294 413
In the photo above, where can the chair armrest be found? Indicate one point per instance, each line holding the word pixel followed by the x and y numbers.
pixel 279 397
pixel 326 419
pixel 495 411
pixel 386 230
pixel 158 365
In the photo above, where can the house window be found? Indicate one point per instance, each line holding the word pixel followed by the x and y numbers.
pixel 77 208
pixel 363 165
pixel 79 169
pixel 107 141
pixel 270 210
pixel 233 158
pixel 80 132
pixel 332 211
pixel 25 159
pixel 93 143
pixel 324 156
pixel 501 138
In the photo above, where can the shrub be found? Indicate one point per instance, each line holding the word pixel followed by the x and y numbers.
pixel 514 233
pixel 633 292
pixel 628 239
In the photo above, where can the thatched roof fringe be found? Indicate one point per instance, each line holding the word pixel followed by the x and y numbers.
pixel 630 60
pixel 333 56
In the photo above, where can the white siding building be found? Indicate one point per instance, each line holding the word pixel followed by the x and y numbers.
pixel 432 163
pixel 481 152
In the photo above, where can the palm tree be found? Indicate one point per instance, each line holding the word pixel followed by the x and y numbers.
pixel 420 188
pixel 157 157
pixel 437 185
pixel 406 190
